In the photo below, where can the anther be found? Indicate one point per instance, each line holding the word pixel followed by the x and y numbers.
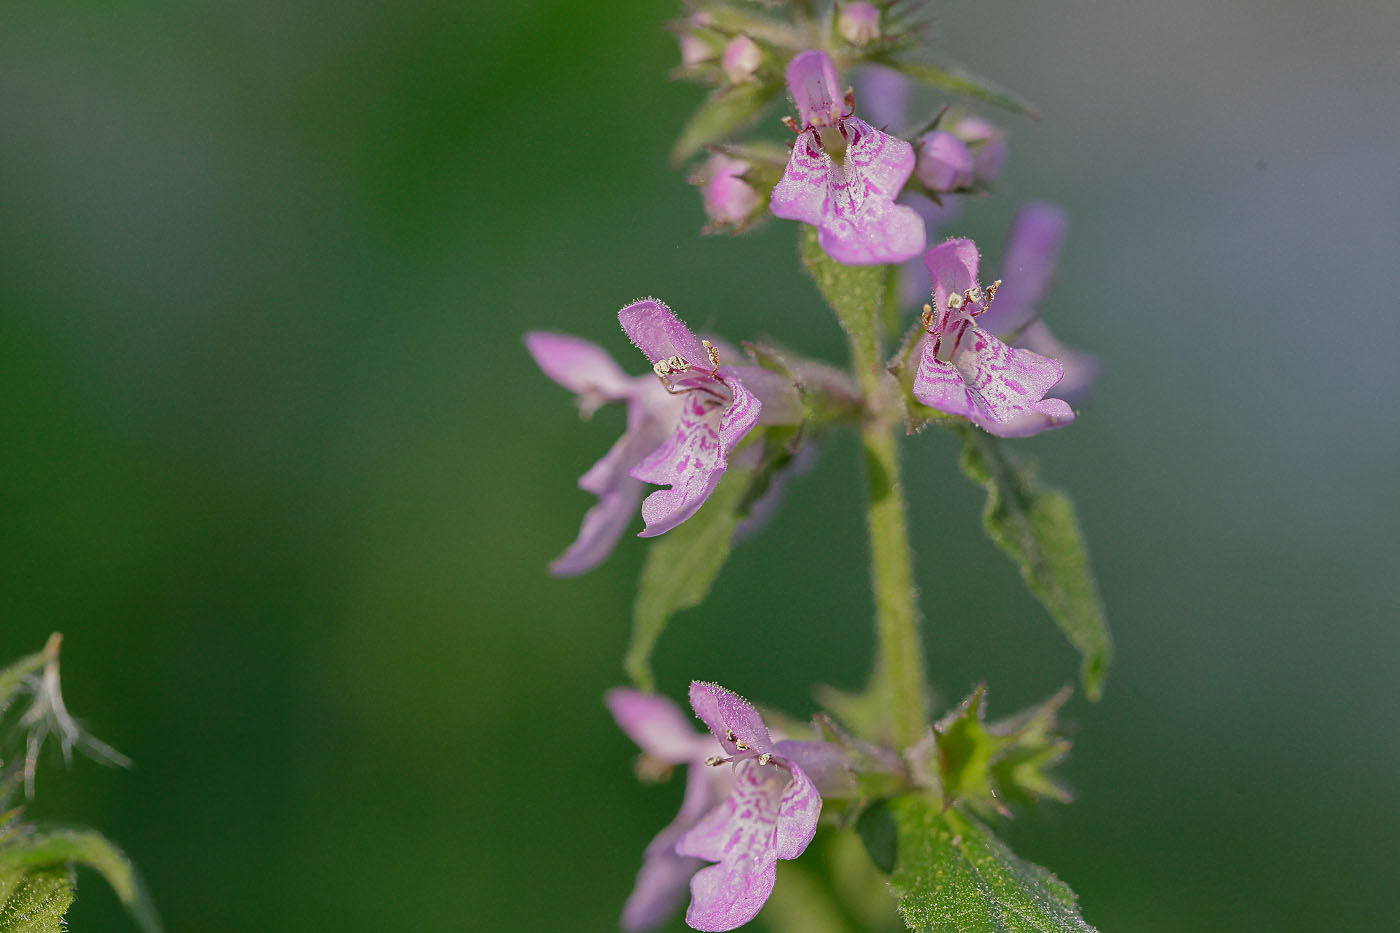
pixel 714 761
pixel 714 354
pixel 765 758
pixel 730 736
pixel 739 744
pixel 955 301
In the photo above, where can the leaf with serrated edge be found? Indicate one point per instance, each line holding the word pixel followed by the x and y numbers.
pixel 1036 527
pixel 725 111
pixel 952 875
pixel 34 901
pixel 958 80
pixel 59 848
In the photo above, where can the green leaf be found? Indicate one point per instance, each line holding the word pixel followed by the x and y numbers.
pixel 958 80
pixel 725 111
pixel 952 875
pixel 1036 527
pixel 682 564
pixel 57 849
pixel 34 901
pixel 877 829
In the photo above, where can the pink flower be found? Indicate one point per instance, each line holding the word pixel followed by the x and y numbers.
pixel 966 371
pixel 683 419
pixel 719 405
pixel 667 739
pixel 771 813
pixel 844 174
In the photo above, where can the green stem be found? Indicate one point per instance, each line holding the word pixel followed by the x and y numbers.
pixel 856 294
pixel 899 673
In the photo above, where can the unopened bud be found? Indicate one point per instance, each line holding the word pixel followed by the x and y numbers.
pixel 742 56
pixel 858 23
pixel 987 142
pixel 945 163
pixel 694 49
pixel 729 200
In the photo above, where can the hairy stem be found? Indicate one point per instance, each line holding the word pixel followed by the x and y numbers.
pixel 856 294
pixel 899 673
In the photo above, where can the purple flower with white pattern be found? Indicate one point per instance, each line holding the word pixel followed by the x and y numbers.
pixel 589 372
pixel 719 405
pixel 667 739
pixel 770 814
pixel 844 174
pixel 966 371
pixel 1032 249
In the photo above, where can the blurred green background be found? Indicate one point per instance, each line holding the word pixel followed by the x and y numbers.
pixel 276 463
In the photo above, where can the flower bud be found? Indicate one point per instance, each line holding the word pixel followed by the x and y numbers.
pixel 729 199
pixel 695 50
pixel 945 163
pixel 742 56
pixel 987 143
pixel 858 23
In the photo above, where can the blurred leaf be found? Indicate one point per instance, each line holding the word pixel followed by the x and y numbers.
pixel 1036 527
pixel 55 850
pixel 878 831
pixel 952 875
pixel 680 567
pixel 725 111
pixel 958 80
pixel 34 901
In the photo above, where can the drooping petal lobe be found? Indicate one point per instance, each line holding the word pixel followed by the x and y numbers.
pixel 603 525
pixel 999 388
pixel 811 80
pixel 742 835
pixel 660 334
pixel 798 812
pixel 852 203
pixel 578 365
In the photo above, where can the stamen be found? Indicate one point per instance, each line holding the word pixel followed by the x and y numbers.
pixel 714 761
pixel 739 744
pixel 671 366
pixel 955 301
pixel 765 758
pixel 730 736
pixel 714 356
